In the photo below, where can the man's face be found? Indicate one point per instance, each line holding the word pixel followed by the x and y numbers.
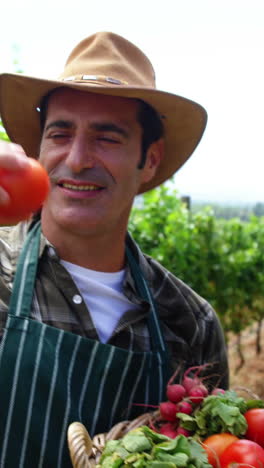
pixel 91 147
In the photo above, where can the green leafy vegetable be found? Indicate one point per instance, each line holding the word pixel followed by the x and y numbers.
pixel 217 413
pixel 144 448
pixel 255 404
pixel 136 441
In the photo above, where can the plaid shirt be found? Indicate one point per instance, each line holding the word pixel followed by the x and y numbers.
pixel 189 325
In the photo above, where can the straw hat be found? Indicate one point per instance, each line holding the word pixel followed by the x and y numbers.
pixel 104 63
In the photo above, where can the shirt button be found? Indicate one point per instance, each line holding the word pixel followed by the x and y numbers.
pixel 52 252
pixel 77 299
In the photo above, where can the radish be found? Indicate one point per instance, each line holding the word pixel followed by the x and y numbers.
pixel 204 390
pixel 188 383
pixel 169 430
pixel 168 410
pixel 196 395
pixel 217 391
pixel 182 431
pixel 184 407
pixel 175 392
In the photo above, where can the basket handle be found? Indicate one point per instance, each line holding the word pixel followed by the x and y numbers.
pixel 80 445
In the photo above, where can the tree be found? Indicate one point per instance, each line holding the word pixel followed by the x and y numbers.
pixel 220 259
pixel 258 209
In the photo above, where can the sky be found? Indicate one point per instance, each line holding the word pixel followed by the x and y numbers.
pixel 210 51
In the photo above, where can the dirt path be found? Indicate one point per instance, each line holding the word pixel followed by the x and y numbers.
pixel 251 375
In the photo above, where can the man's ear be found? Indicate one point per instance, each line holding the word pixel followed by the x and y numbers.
pixel 155 154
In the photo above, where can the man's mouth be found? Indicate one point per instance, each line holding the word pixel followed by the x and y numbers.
pixel 80 188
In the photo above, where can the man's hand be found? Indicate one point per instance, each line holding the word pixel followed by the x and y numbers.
pixel 12 156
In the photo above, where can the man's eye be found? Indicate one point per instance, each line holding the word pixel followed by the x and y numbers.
pixel 109 140
pixel 56 136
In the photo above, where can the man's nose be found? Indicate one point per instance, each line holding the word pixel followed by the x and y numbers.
pixel 81 155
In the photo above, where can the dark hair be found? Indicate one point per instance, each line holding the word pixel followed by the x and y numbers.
pixel 153 129
pixel 43 109
pixel 149 119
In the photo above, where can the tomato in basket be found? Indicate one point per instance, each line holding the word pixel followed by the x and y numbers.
pixel 216 444
pixel 255 421
pixel 243 452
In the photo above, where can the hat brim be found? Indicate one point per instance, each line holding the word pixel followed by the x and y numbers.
pixel 184 120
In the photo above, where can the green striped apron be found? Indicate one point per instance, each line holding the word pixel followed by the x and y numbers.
pixel 50 378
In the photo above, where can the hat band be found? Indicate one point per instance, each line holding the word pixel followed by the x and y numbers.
pixel 95 78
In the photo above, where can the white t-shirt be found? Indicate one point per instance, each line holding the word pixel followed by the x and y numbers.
pixel 102 293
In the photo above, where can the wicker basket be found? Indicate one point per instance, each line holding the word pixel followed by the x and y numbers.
pixel 85 452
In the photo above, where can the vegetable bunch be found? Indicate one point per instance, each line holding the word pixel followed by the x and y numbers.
pixel 193 410
pixel 144 448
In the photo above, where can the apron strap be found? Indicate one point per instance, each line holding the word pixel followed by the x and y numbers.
pixel 21 298
pixel 145 292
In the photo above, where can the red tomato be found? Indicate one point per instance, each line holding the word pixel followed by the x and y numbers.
pixel 255 420
pixel 27 188
pixel 243 452
pixel 216 444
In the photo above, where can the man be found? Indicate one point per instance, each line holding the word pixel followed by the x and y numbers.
pixel 95 328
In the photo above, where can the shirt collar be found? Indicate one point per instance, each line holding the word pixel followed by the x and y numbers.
pixel 129 284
